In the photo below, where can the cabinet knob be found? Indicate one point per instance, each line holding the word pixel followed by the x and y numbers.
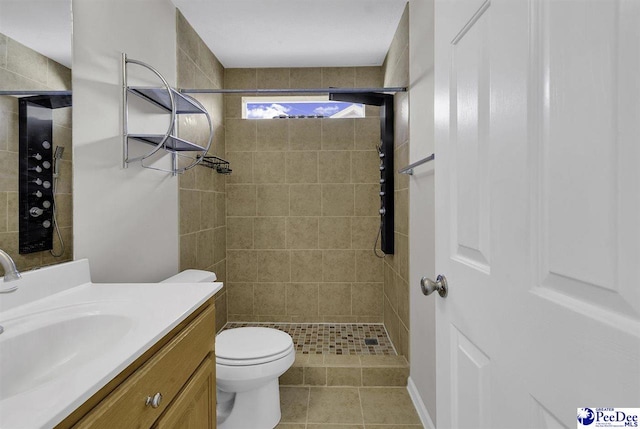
pixel 154 401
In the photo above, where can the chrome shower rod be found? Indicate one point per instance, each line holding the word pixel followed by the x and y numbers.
pixel 21 92
pixel 294 90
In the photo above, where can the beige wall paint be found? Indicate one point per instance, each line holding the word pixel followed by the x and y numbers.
pixel 396 267
pixel 302 206
pixel 202 190
pixel 24 69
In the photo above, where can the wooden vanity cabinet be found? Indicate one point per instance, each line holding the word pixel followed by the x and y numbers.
pixel 194 408
pixel 181 368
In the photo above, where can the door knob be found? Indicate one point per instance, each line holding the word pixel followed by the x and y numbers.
pixel 440 285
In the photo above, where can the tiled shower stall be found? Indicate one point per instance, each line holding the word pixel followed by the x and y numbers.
pixel 291 231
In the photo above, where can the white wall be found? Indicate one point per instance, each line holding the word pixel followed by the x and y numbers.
pixel 421 204
pixel 125 220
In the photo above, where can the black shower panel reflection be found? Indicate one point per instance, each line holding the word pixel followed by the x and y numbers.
pixel 36 171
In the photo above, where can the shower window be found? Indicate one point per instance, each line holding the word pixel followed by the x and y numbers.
pixel 299 107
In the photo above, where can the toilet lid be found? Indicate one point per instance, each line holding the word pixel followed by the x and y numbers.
pixel 251 345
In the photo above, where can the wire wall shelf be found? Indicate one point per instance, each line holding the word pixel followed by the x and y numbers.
pixel 218 164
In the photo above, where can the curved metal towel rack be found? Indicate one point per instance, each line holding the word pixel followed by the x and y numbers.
pixel 175 104
pixel 409 168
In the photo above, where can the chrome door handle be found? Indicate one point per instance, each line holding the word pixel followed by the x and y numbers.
pixel 440 285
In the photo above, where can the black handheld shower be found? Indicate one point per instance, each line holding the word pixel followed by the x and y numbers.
pixel 57 156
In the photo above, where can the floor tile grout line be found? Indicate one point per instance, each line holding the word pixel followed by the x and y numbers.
pixel 360 400
pixel 306 423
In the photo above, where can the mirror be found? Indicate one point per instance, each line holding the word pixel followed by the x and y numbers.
pixel 35 88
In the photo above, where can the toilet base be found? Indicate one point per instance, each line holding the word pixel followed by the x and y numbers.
pixel 255 409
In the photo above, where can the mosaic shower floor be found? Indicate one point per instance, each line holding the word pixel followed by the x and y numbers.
pixel 329 338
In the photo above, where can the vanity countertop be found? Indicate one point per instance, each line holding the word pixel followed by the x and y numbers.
pixel 63 343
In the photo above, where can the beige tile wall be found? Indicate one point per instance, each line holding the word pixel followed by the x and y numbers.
pixel 396 267
pixel 302 206
pixel 202 190
pixel 24 69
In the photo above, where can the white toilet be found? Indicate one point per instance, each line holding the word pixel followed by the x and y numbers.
pixel 248 364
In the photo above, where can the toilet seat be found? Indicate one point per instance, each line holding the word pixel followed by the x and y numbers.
pixel 252 346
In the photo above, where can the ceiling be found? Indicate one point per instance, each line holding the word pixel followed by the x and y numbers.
pixel 42 25
pixel 241 33
pixel 295 33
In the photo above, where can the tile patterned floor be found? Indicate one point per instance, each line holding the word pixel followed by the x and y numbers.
pixel 347 408
pixel 326 338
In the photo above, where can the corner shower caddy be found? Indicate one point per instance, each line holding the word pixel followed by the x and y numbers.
pixel 175 103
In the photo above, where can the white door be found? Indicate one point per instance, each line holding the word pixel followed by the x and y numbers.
pixel 537 115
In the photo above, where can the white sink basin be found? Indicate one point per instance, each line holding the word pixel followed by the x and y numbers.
pixel 65 337
pixel 38 348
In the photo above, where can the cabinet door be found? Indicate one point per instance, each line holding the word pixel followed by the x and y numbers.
pixel 195 406
pixel 166 372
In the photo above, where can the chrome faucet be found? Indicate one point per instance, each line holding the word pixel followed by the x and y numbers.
pixel 11 273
